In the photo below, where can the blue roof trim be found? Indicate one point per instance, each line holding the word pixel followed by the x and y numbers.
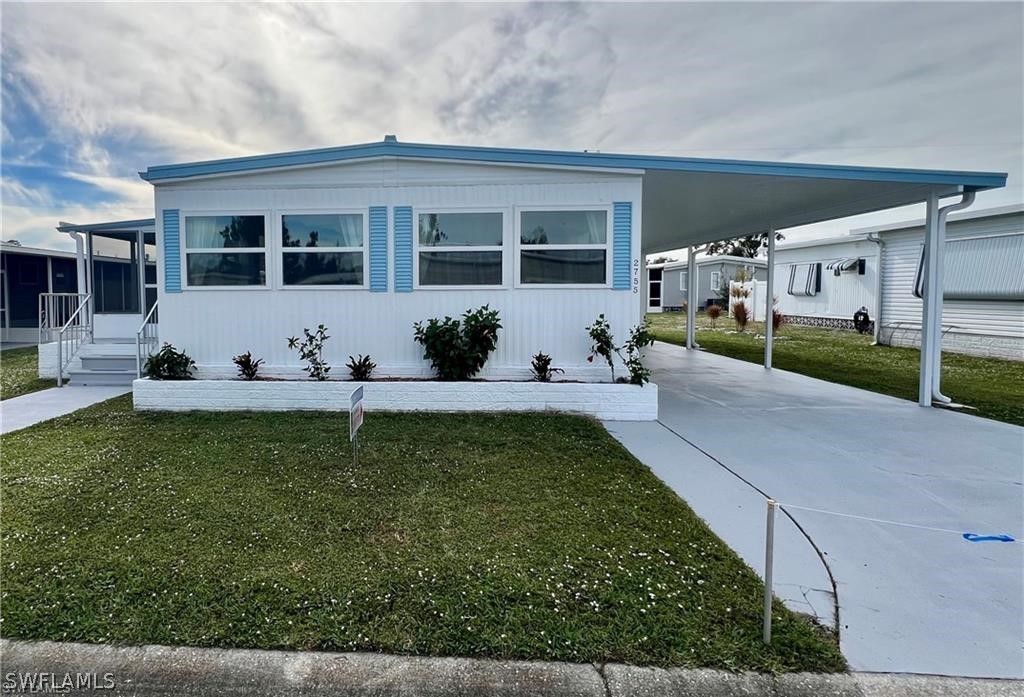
pixel 115 225
pixel 390 148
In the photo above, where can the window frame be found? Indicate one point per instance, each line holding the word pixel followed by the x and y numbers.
pixel 280 250
pixel 715 285
pixel 417 211
pixel 183 217
pixel 608 245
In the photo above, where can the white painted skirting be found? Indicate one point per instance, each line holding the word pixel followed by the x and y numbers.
pixel 614 402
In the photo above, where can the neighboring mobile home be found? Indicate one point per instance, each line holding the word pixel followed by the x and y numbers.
pixel 824 282
pixel 667 283
pixel 25 274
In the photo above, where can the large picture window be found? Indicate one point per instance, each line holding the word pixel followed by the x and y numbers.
pixel 563 247
pixel 225 250
pixel 460 249
pixel 323 249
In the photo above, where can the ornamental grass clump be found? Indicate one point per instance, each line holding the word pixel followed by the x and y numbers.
pixel 740 316
pixel 713 312
pixel 458 349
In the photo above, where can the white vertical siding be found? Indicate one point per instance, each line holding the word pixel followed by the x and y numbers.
pixel 992 327
pixel 214 325
pixel 840 296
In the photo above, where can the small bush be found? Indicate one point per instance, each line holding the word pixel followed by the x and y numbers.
pixel 713 312
pixel 740 316
pixel 247 367
pixel 456 349
pixel 311 350
pixel 169 364
pixel 639 337
pixel 603 344
pixel 361 368
pixel 542 370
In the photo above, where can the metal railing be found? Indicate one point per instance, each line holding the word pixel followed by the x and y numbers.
pixel 55 309
pixel 146 338
pixel 76 331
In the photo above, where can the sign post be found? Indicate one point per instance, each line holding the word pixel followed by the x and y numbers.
pixel 355 420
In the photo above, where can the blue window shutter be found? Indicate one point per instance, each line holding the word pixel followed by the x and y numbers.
pixel 378 249
pixel 403 249
pixel 172 251
pixel 622 244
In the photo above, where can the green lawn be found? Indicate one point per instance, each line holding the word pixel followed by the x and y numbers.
pixel 19 372
pixel 533 536
pixel 994 387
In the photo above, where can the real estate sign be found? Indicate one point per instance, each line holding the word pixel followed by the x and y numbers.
pixel 355 413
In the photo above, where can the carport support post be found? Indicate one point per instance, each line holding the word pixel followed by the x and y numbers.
pixel 931 307
pixel 691 308
pixel 769 553
pixel 769 302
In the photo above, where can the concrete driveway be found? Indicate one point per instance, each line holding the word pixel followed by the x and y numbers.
pixel 910 599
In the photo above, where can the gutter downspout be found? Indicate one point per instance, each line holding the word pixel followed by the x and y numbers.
pixel 79 258
pixel 966 200
pixel 874 237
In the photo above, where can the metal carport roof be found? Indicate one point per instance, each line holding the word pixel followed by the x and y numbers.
pixel 686 201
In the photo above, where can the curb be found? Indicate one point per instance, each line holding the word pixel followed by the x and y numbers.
pixel 168 670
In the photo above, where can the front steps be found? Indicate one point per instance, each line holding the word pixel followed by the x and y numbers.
pixel 105 362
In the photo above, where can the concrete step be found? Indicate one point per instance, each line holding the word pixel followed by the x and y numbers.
pixel 107 349
pixel 96 362
pixel 101 377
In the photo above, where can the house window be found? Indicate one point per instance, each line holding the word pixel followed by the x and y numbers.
pixel 716 281
pixel 654 287
pixel 460 249
pixel 225 250
pixel 323 249
pixel 683 288
pixel 563 247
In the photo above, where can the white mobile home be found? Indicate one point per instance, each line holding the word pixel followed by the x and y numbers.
pixel 824 282
pixel 370 239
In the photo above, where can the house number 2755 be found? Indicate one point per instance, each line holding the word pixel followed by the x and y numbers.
pixel 636 275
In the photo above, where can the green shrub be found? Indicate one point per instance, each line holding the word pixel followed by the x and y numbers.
pixel 169 364
pixel 247 367
pixel 457 350
pixel 311 350
pixel 361 368
pixel 603 344
pixel 541 366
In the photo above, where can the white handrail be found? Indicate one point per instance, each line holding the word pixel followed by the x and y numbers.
pixel 144 335
pixel 54 309
pixel 74 334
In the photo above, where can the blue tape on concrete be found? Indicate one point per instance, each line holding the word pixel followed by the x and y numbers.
pixel 973 537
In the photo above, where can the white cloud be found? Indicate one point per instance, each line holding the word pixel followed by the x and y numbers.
pixel 127 86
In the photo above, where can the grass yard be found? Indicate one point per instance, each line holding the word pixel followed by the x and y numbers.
pixel 994 387
pixel 533 536
pixel 19 372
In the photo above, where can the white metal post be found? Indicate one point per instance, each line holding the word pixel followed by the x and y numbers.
pixel 691 307
pixel 769 553
pixel 769 315
pixel 931 306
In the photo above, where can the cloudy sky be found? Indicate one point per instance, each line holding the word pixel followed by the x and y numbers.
pixel 93 93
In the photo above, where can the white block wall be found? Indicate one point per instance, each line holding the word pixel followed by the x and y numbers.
pixel 48 361
pixel 614 402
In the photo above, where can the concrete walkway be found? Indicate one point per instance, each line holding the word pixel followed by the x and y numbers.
pixel 910 600
pixel 164 670
pixel 20 412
